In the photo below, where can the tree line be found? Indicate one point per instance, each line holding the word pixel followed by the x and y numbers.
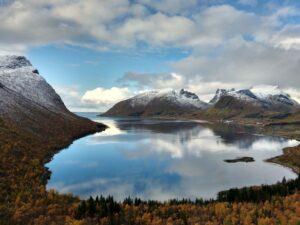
pixel 106 206
pixel 260 193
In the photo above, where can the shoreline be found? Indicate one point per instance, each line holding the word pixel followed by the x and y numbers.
pixel 286 159
pixel 64 146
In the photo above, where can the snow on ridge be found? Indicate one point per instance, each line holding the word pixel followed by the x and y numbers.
pixel 264 91
pixel 260 94
pixel 13 62
pixel 143 98
pixel 184 98
pixel 244 94
pixel 181 97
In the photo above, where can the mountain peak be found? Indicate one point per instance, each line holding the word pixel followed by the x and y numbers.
pixel 263 91
pixel 188 94
pixel 219 94
pixel 17 75
pixel 266 96
pixel 13 62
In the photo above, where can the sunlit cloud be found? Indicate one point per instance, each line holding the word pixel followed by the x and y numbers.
pixel 104 96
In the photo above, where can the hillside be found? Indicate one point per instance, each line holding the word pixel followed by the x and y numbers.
pixel 158 104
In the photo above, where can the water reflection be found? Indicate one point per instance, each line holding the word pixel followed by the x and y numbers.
pixel 160 159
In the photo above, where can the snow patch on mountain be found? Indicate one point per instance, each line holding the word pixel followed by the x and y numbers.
pixel 143 99
pixel 265 91
pixel 181 98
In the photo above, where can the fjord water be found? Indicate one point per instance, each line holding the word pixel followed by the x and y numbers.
pixel 164 159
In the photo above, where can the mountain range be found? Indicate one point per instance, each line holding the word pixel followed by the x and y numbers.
pixel 252 102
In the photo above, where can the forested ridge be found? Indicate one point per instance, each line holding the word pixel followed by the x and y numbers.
pixel 134 210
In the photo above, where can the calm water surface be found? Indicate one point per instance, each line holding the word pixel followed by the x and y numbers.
pixel 161 159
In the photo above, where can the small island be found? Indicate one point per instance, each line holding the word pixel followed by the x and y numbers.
pixel 240 159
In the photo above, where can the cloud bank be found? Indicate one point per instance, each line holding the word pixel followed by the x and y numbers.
pixel 230 44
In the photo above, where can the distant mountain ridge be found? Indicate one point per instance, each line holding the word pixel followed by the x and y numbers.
pixel 155 103
pixel 262 96
pixel 259 98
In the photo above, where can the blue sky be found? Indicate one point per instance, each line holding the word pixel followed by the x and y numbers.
pixel 95 53
pixel 65 65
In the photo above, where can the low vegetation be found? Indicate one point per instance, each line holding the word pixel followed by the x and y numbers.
pixel 135 211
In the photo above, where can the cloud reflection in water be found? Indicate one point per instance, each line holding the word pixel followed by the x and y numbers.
pixel 158 159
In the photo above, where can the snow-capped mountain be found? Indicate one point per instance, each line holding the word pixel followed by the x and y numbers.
pixel 266 96
pixel 17 74
pixel 181 98
pixel 155 103
pixel 273 95
pixel 25 95
pixel 31 107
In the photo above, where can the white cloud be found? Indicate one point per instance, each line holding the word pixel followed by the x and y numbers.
pixel 218 24
pixel 158 29
pixel 14 49
pixel 236 66
pixel 213 33
pixel 142 81
pixel 106 97
pixel 248 64
pixel 289 43
pixel 122 23
pixel 96 100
